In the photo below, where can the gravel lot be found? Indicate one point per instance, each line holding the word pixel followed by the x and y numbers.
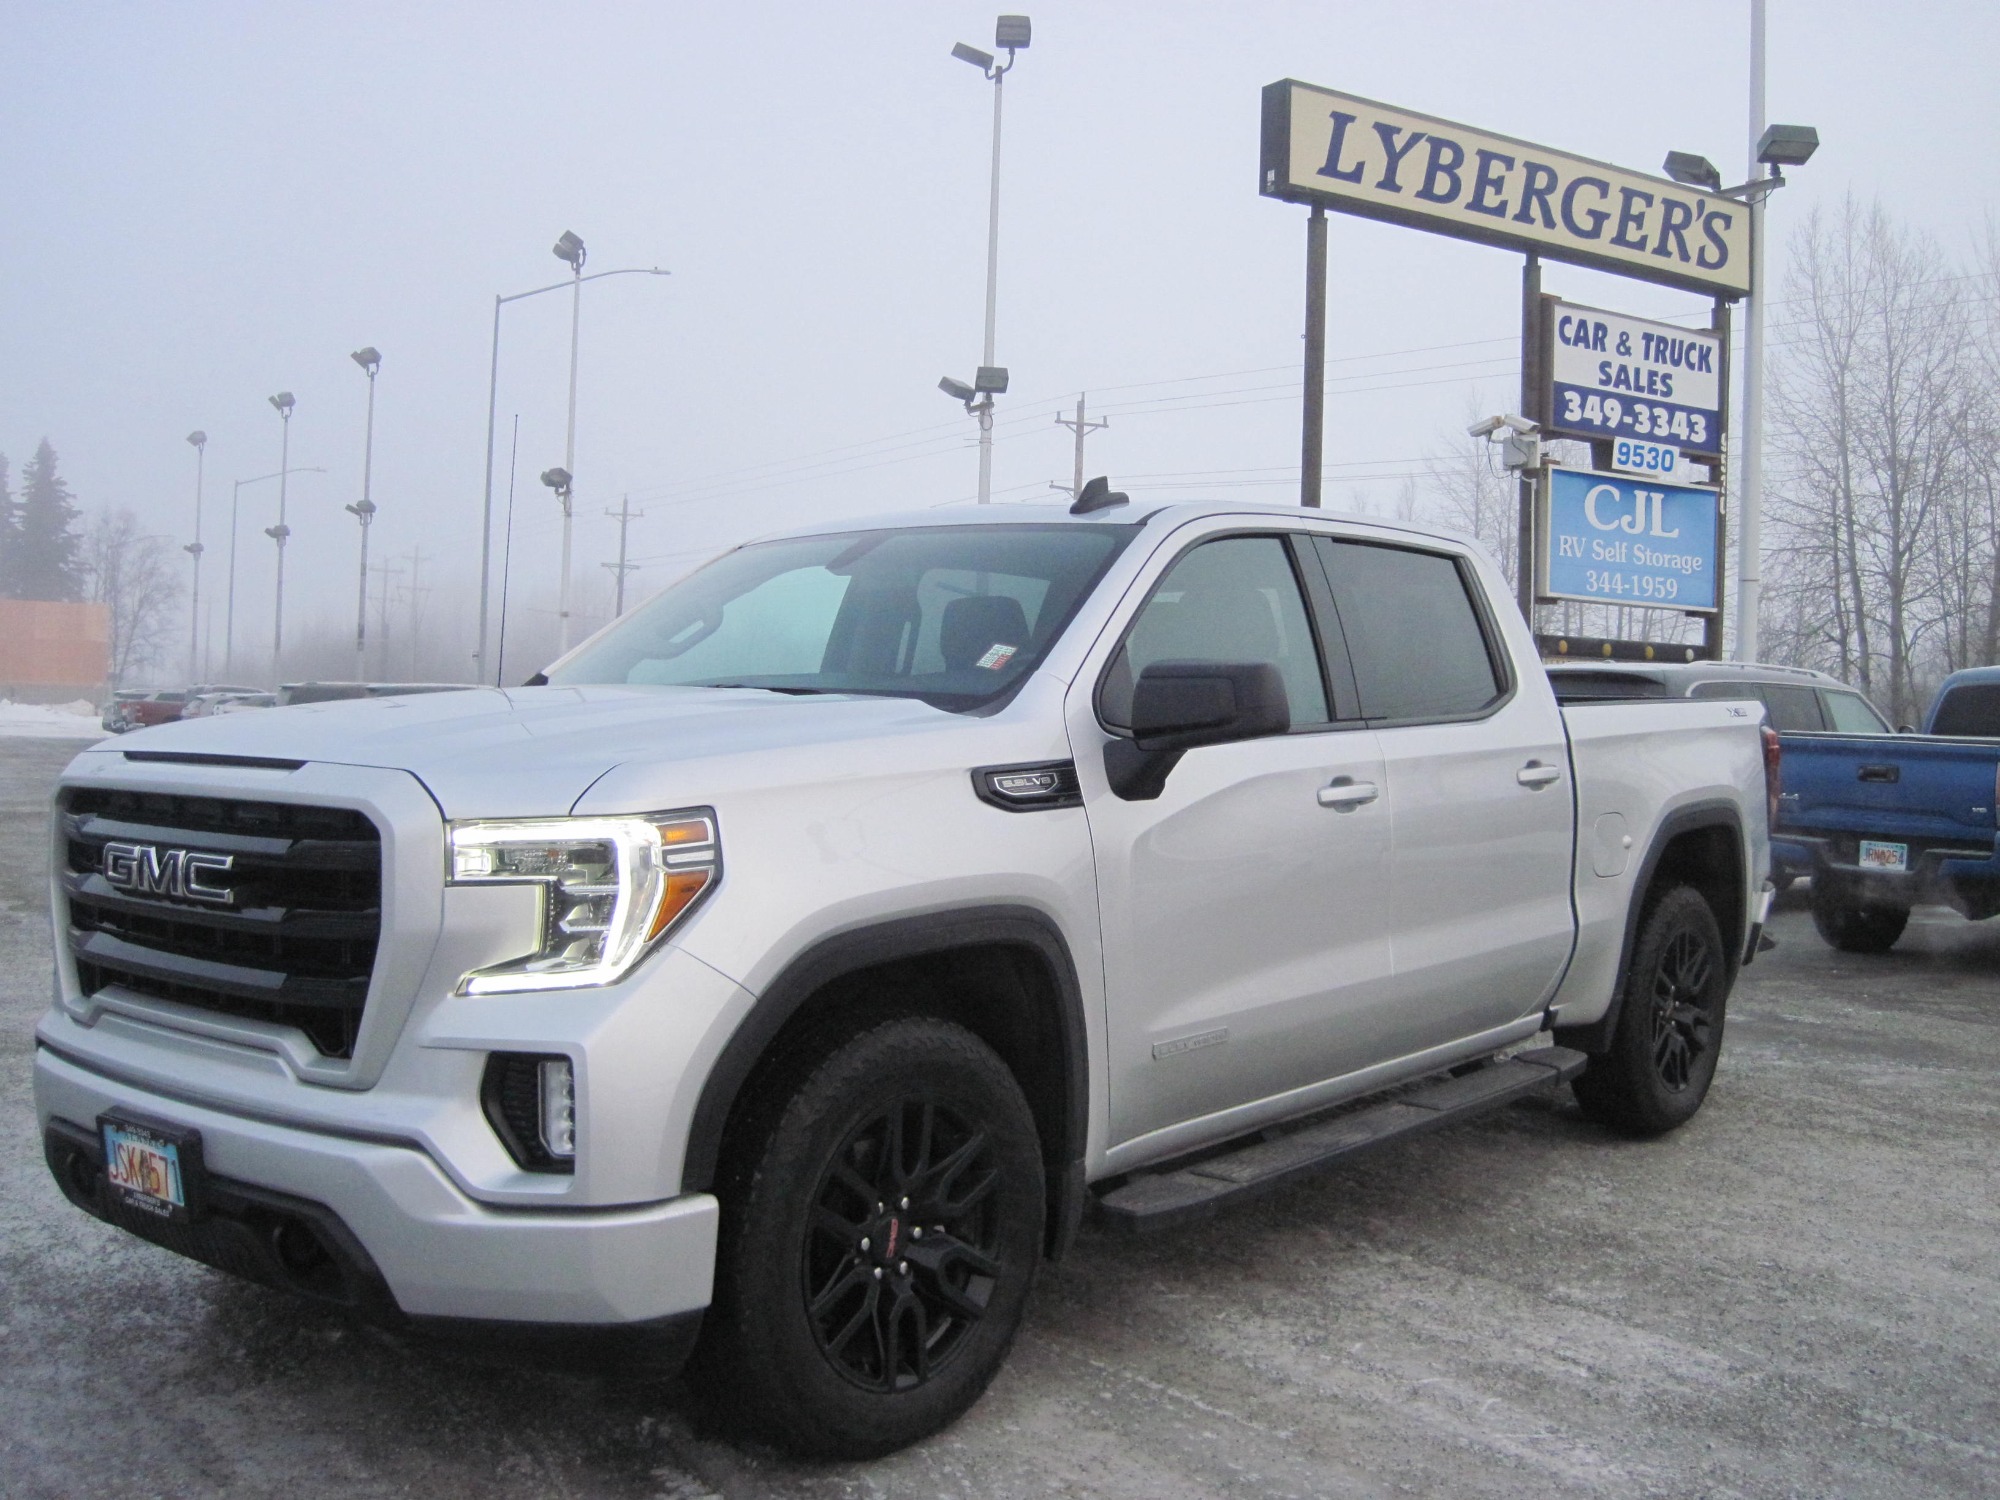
pixel 1796 1295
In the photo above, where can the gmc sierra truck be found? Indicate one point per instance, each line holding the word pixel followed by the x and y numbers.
pixel 788 970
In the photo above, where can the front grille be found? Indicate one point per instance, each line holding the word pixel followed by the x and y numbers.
pixel 294 946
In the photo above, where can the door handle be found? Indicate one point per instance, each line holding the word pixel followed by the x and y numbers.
pixel 1345 794
pixel 1534 775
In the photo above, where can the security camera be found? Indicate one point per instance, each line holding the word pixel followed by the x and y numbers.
pixel 1493 424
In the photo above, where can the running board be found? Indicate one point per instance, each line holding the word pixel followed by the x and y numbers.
pixel 1163 1200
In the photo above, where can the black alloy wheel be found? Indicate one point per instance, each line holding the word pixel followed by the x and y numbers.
pixel 899 1261
pixel 882 1211
pixel 1656 1072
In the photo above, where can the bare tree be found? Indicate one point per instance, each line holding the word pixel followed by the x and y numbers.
pixel 132 572
pixel 1882 422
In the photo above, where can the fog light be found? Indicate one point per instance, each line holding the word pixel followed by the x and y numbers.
pixel 558 1114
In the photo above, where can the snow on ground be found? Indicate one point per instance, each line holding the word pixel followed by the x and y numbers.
pixel 49 721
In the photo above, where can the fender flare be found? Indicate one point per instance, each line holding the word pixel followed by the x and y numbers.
pixel 1595 1036
pixel 859 948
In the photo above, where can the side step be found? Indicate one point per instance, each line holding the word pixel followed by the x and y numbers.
pixel 1163 1200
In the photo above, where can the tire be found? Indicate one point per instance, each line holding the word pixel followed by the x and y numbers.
pixel 1656 1072
pixel 1850 925
pixel 881 1229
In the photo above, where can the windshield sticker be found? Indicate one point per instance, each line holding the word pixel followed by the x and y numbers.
pixel 996 657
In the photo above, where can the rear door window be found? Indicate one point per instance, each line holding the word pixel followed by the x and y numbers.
pixel 1850 713
pixel 1793 709
pixel 1414 634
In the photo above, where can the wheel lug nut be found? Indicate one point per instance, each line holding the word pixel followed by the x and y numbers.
pixel 878 1273
pixel 864 1242
pixel 916 1234
pixel 906 1203
pixel 902 1268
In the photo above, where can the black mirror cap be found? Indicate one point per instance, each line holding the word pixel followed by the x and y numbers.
pixel 1181 705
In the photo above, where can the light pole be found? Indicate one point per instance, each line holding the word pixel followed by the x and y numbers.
pixel 370 360
pixel 1012 33
pixel 559 481
pixel 492 415
pixel 194 549
pixel 283 402
pixel 569 249
pixel 229 613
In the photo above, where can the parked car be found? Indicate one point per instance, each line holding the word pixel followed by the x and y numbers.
pixel 118 712
pixel 162 706
pixel 237 703
pixel 205 702
pixel 1797 701
pixel 790 974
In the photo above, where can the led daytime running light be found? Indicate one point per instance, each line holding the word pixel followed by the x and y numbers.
pixel 612 887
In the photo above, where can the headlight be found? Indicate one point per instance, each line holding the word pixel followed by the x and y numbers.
pixel 611 887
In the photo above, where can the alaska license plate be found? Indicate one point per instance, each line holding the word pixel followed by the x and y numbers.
pixel 151 1168
pixel 1877 855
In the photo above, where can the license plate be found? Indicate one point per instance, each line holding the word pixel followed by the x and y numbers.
pixel 1876 855
pixel 155 1169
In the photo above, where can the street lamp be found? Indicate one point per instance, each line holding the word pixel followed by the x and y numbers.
pixel 569 249
pixel 283 402
pixel 1012 33
pixel 229 608
pixel 370 360
pixel 194 550
pixel 988 381
pixel 566 247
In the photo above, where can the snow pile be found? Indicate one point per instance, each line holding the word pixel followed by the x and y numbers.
pixel 50 721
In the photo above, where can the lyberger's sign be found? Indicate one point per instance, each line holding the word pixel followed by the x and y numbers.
pixel 1359 157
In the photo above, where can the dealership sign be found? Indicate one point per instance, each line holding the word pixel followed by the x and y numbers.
pixel 1614 539
pixel 1620 377
pixel 1355 156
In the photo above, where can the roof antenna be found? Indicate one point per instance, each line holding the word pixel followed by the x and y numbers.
pixel 1098 495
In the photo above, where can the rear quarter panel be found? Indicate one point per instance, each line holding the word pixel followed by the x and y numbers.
pixel 1636 768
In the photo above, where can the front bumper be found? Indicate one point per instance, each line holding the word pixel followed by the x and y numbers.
pixel 405 1240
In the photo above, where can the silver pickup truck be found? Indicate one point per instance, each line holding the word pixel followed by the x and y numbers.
pixel 788 972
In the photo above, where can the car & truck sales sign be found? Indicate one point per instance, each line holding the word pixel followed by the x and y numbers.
pixel 1620 377
pixel 1614 539
pixel 1359 157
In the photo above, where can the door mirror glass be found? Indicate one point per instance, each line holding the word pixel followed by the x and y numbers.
pixel 1179 705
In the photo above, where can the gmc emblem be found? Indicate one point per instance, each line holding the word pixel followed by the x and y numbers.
pixel 149 870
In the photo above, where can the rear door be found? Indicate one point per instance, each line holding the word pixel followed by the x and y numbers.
pixel 1478 782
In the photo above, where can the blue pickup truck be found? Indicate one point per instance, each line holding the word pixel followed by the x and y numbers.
pixel 1881 822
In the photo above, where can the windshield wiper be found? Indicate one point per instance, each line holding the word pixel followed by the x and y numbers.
pixel 759 687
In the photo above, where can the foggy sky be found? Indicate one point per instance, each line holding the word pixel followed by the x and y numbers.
pixel 209 203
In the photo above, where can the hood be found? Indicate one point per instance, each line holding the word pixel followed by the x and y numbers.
pixel 532 752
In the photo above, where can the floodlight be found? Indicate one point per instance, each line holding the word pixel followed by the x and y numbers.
pixel 1695 171
pixel 990 380
pixel 1787 145
pixel 1011 32
pixel 369 358
pixel 556 479
pixel 973 55
pixel 958 390
pixel 570 249
pixel 284 401
pixel 198 438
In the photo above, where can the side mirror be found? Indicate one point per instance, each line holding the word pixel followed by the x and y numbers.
pixel 1181 705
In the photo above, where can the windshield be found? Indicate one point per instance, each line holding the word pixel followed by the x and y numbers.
pixel 954 615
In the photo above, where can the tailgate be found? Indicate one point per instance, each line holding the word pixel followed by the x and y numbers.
pixel 1914 788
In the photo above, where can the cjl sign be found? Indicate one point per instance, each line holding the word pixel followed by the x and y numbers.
pixel 1613 539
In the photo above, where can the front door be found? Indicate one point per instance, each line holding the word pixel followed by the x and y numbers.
pixel 1245 910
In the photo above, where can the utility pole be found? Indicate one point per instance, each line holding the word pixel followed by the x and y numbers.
pixel 416 607
pixel 625 516
pixel 1081 428
pixel 194 550
pixel 386 573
